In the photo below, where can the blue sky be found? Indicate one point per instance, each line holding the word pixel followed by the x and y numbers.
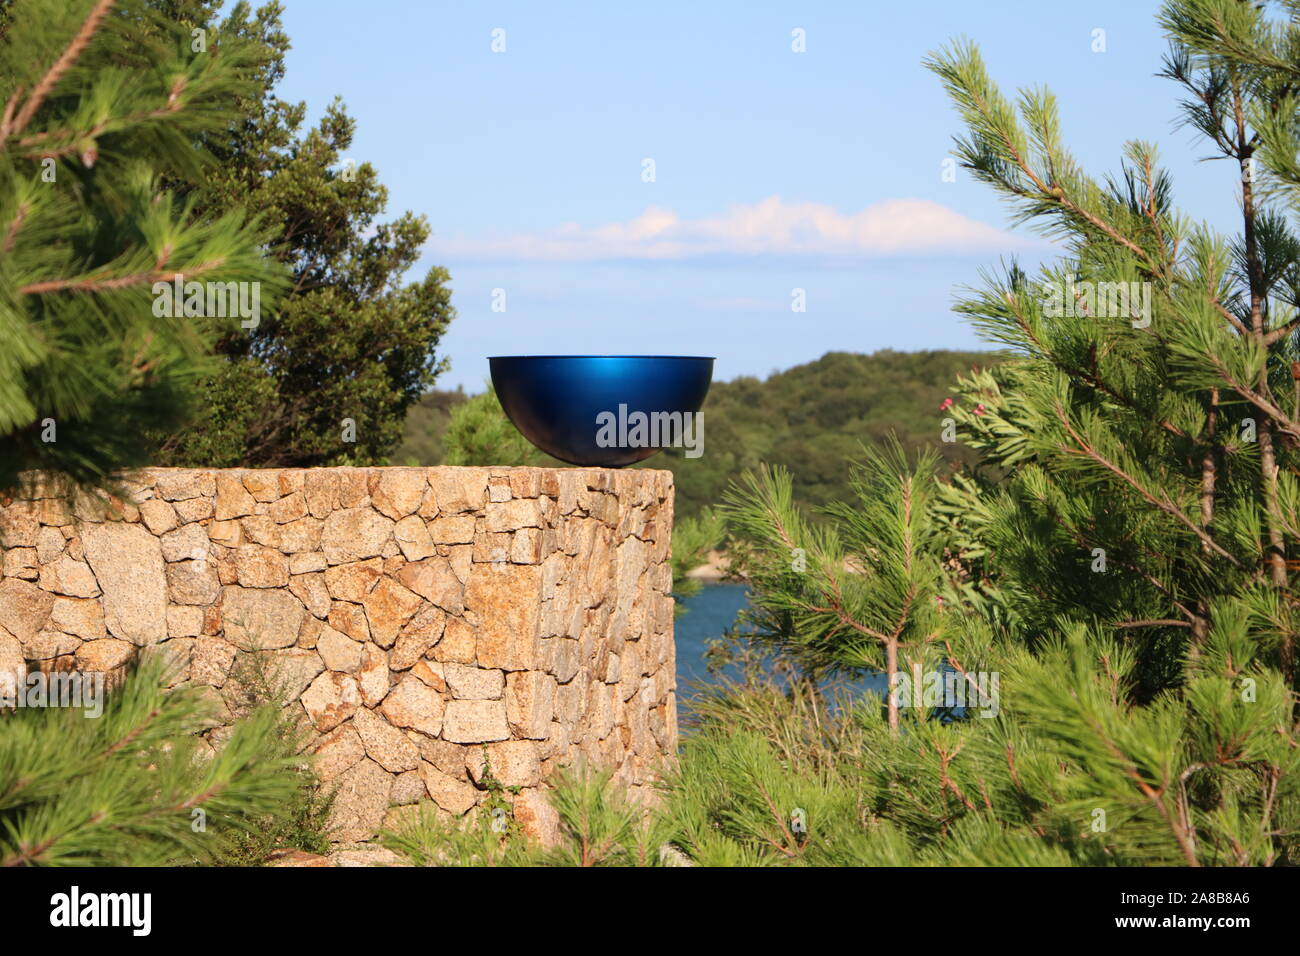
pixel 773 170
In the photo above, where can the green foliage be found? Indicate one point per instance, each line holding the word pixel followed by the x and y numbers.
pixel 256 682
pixel 1152 456
pixel 693 539
pixel 859 593
pixel 1067 773
pixel 1129 578
pixel 351 340
pixel 435 839
pixel 107 103
pixel 425 427
pixel 598 826
pixel 479 433
pixel 127 788
pixel 302 823
pixel 736 802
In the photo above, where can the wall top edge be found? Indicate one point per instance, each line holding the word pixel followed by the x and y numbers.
pixel 489 469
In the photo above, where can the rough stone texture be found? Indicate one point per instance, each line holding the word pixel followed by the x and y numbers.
pixel 475 721
pixel 103 655
pixel 355 533
pixel 338 752
pixel 261 618
pixel 24 608
pixel 514 763
pixel 331 699
pixel 384 743
pixel 339 651
pixel 505 599
pixel 127 563
pixel 64 575
pixel 452 794
pixel 359 805
pixel 416 705
pixel 427 623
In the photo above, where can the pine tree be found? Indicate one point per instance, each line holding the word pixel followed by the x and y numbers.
pixel 102 104
pixel 1154 440
pixel 1122 559
pixel 102 101
pixel 860 593
pixel 129 786
pixel 479 433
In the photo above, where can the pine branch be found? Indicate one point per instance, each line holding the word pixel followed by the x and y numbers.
pixel 89 284
pixel 11 234
pixel 1162 503
pixel 1091 378
pixel 1282 331
pixel 59 67
pixel 1285 423
pixel 962 71
pixel 7 118
pixel 1086 543
pixel 173 107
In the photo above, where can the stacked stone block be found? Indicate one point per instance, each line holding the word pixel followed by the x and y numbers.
pixel 429 623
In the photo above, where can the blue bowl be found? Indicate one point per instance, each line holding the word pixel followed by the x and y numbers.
pixel 583 409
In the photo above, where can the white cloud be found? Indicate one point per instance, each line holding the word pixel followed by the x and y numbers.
pixel 771 227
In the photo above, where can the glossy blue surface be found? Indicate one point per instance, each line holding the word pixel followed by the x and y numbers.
pixel 554 400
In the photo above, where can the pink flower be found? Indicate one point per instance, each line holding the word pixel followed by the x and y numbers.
pixel 947 403
pixel 979 409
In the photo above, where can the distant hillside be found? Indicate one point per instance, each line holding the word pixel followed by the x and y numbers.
pixel 812 418
pixel 424 426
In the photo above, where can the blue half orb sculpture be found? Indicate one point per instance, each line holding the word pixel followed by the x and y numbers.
pixel 604 410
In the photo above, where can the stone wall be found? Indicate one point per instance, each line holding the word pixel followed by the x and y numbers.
pixel 419 618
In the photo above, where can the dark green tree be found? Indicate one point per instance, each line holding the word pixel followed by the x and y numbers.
pixel 350 342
